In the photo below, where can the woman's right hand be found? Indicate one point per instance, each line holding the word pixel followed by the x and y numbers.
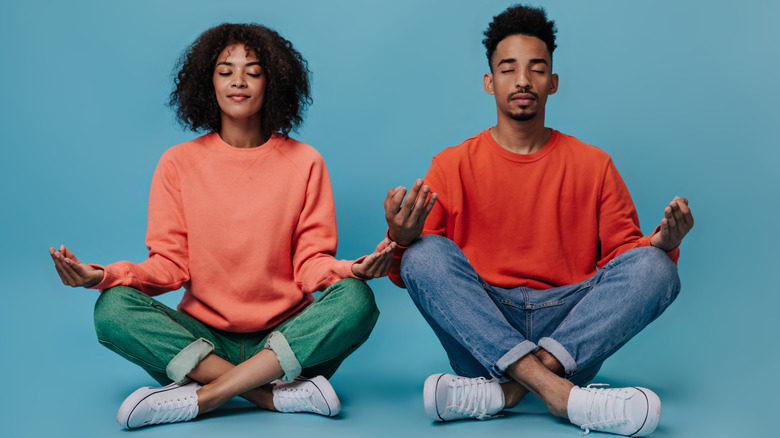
pixel 73 272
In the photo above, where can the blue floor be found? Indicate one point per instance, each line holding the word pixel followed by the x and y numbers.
pixel 59 369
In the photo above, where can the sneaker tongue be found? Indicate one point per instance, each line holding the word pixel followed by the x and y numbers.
pixel 576 406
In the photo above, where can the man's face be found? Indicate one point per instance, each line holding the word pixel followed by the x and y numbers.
pixel 521 77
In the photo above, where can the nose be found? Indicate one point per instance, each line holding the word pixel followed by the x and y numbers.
pixel 522 79
pixel 238 81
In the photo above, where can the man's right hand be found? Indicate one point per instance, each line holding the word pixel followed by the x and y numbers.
pixel 406 219
pixel 73 272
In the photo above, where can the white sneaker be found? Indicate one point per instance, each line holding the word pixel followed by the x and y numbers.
pixel 623 411
pixel 449 397
pixel 169 404
pixel 314 395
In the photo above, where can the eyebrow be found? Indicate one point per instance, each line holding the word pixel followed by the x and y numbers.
pixel 230 64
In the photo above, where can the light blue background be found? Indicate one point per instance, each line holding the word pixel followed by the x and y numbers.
pixel 683 95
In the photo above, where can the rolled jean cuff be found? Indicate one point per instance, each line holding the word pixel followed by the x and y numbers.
pixel 187 359
pixel 284 354
pixel 516 353
pixel 556 349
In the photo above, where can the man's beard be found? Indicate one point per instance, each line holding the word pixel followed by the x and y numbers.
pixel 523 117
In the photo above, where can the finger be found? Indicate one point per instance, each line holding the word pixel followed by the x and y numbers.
pixel 689 219
pixel 63 270
pixel 77 272
pixel 677 212
pixel 429 205
pixel 383 245
pixel 387 263
pixel 83 270
pixel 391 201
pixel 419 204
pixel 664 232
pixel 411 197
pixel 394 208
pixel 372 267
pixel 383 261
pixel 66 254
pixel 669 216
pixel 686 217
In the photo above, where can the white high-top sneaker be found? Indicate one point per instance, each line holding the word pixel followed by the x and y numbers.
pixel 449 397
pixel 624 411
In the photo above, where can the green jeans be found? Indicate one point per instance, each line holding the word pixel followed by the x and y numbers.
pixel 169 344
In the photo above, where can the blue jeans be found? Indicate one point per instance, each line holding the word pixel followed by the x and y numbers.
pixel 485 328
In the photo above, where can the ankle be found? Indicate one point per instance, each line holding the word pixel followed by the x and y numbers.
pixel 208 400
pixel 557 400
pixel 513 393
pixel 262 397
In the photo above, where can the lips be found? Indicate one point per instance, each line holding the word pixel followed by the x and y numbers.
pixel 238 97
pixel 523 98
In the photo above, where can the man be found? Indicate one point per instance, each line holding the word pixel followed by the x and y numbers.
pixel 532 268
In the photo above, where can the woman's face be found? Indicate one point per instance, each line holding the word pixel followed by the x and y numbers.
pixel 239 82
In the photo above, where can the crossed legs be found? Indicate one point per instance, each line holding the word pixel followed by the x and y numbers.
pixel 594 318
pixel 172 346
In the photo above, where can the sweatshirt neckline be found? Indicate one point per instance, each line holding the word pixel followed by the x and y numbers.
pixel 263 149
pixel 548 147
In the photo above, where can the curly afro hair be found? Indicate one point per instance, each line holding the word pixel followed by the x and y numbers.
pixel 286 93
pixel 522 20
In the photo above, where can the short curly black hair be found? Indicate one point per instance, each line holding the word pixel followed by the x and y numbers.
pixel 519 20
pixel 287 92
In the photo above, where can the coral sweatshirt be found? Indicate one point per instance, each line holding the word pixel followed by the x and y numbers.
pixel 249 233
pixel 539 220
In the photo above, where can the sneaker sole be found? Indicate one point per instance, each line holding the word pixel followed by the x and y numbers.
pixel 134 399
pixel 429 396
pixel 653 412
pixel 328 393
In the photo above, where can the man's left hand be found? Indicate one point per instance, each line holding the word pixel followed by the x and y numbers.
pixel 676 223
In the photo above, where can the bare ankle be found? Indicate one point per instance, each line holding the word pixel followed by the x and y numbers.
pixel 551 362
pixel 558 401
pixel 513 393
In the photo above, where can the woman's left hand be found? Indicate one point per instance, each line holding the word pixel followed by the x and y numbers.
pixel 377 264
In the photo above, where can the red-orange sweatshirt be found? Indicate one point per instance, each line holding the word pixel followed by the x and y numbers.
pixel 539 220
pixel 249 233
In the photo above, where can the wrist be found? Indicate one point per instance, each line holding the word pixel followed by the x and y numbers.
pixel 400 242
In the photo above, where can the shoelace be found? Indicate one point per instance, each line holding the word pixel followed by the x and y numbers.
pixel 295 400
pixel 605 407
pixel 171 411
pixel 472 397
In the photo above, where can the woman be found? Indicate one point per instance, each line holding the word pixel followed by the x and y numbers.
pixel 243 219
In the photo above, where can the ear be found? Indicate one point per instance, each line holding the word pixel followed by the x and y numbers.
pixel 554 87
pixel 487 82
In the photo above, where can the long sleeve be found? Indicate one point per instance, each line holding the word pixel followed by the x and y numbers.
pixel 166 268
pixel 315 237
pixel 618 221
pixel 436 223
